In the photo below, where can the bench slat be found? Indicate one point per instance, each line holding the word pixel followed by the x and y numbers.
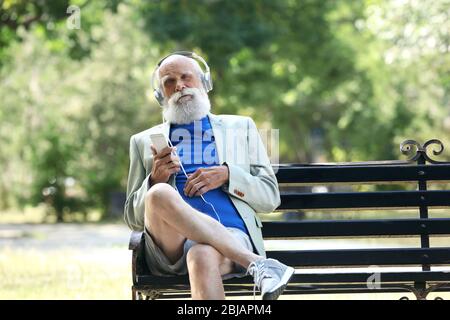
pixel 349 228
pixel 304 278
pixel 363 174
pixel 318 289
pixel 381 199
pixel 363 257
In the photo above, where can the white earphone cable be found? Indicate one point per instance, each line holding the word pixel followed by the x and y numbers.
pixel 207 202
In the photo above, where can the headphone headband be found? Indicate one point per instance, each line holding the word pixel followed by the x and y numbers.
pixel 206 75
pixel 188 54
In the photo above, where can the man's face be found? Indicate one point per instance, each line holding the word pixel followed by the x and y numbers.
pixel 185 97
pixel 177 74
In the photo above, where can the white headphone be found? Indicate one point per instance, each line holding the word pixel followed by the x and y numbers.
pixel 205 76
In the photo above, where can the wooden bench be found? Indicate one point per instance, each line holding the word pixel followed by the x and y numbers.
pixel 316 267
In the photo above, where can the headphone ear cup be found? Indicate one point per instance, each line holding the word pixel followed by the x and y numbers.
pixel 204 82
pixel 159 97
pixel 207 81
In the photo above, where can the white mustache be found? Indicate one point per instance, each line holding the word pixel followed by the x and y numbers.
pixel 177 95
pixel 186 111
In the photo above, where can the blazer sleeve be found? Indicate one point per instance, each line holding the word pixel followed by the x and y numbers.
pixel 259 187
pixel 137 187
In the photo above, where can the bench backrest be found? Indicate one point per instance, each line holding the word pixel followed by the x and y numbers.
pixel 414 170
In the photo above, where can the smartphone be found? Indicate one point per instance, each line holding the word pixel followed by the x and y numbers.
pixel 159 141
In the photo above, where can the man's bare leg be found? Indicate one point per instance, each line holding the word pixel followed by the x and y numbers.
pixel 169 240
pixel 165 202
pixel 206 265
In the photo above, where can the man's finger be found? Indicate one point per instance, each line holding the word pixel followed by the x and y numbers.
pixel 195 174
pixel 164 152
pixel 168 158
pixel 195 188
pixel 189 185
pixel 174 170
pixel 201 191
pixel 153 150
pixel 175 163
pixel 176 166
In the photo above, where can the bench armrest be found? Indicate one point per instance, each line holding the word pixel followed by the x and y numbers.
pixel 135 239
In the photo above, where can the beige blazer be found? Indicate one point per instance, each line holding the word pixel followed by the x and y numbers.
pixel 252 185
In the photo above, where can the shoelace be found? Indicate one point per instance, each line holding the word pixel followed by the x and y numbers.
pixel 258 271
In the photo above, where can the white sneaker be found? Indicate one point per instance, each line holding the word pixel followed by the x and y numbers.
pixel 270 276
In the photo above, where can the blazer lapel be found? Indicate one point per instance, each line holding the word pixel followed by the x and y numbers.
pixel 217 128
pixel 166 129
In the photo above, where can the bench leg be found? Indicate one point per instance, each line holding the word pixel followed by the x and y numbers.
pixel 422 293
pixel 136 295
pixel 153 295
pixel 435 287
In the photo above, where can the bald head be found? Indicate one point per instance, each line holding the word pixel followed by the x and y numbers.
pixel 179 61
pixel 177 72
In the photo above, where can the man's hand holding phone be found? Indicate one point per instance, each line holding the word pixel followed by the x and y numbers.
pixel 165 163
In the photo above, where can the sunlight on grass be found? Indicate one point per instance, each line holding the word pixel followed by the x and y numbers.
pixel 102 274
pixel 91 261
pixel 25 215
pixel 65 274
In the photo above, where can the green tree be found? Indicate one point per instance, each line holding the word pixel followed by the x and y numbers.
pixel 277 61
pixel 343 81
pixel 72 119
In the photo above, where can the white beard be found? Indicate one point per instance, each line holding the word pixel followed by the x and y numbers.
pixel 186 111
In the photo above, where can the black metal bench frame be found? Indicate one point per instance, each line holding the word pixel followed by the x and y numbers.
pixel 420 282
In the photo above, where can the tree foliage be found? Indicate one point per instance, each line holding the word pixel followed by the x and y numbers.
pixel 342 80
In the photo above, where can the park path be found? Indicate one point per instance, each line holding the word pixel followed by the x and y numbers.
pixel 100 235
pixel 91 238
pixel 65 235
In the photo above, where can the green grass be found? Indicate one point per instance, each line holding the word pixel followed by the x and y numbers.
pixel 65 274
pixel 99 274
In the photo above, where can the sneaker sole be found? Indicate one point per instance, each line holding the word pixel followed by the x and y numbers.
pixel 284 281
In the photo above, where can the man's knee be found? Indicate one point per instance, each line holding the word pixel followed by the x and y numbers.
pixel 201 258
pixel 158 193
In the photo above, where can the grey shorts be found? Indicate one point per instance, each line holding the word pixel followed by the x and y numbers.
pixel 159 264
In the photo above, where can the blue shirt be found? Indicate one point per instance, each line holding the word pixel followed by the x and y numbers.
pixel 196 148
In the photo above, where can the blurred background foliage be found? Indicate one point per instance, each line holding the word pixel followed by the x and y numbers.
pixel 342 80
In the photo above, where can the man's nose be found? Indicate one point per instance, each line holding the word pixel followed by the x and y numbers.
pixel 180 85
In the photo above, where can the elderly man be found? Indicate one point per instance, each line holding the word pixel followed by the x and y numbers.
pixel 197 210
